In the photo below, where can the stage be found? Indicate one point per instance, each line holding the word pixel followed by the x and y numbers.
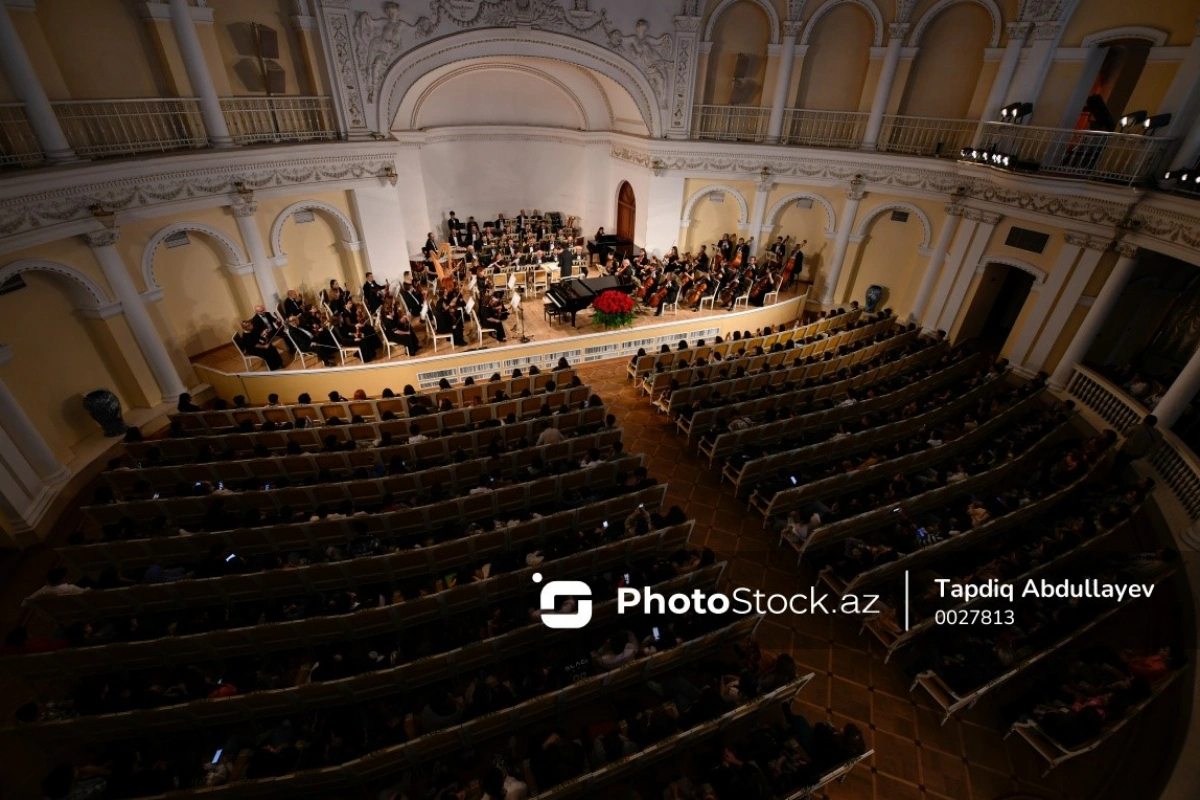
pixel 225 371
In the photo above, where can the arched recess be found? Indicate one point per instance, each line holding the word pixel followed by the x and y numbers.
pixel 492 42
pixel 743 207
pixel 777 209
pixel 897 206
pixel 235 260
pixel 350 236
pixel 886 254
pixel 724 6
pixel 736 65
pixel 833 74
pixel 85 292
pixel 867 5
pixel 1039 276
pixel 954 32
pixel 512 87
pixel 1154 36
pixel 937 8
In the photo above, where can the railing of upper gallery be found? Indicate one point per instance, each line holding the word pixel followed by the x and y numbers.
pixel 1093 155
pixel 1110 406
pixel 99 128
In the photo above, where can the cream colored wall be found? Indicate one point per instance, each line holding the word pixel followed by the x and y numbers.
pixel 741 29
pixel 1152 86
pixel 834 74
pixel 1061 80
pixel 102 49
pixel 1176 17
pixel 29 28
pixel 887 257
pixel 800 224
pixel 957 36
pixel 711 220
pixel 231 25
pixel 52 369
pixel 315 252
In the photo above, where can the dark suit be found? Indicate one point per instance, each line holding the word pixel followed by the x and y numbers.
pixel 292 308
pixel 566 261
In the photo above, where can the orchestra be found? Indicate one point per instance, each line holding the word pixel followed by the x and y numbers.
pixel 471 282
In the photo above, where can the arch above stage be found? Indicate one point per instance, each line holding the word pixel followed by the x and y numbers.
pixel 743 206
pixel 236 260
pixel 88 295
pixel 772 217
pixel 406 71
pixel 350 235
pixel 873 214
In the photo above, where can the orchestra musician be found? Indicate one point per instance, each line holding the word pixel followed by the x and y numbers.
pixel 335 298
pixel 491 316
pixel 456 240
pixel 566 261
pixel 257 342
pixel 779 248
pixel 412 297
pixel 672 293
pixel 293 304
pixel 797 265
pixel 397 327
pixel 448 317
pixel 725 247
pixel 300 336
pixel 454 224
pixel 430 245
pixel 373 293
pixel 702 260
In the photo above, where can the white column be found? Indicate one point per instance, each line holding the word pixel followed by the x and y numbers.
pixel 198 75
pixel 1017 31
pixel 20 429
pixel 966 271
pixel 685 227
pixel 1182 100
pixel 883 89
pixel 1097 314
pixel 1031 73
pixel 936 259
pixel 854 196
pixel 759 214
pixel 683 80
pixel 664 201
pixel 787 62
pixel 381 225
pixel 1181 392
pixel 144 332
pixel 264 275
pixel 19 71
pixel 1093 250
pixel 954 259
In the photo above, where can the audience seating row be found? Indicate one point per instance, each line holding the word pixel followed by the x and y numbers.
pixel 198 449
pixel 746 475
pixel 220 421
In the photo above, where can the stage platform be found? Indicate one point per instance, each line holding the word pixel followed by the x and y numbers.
pixel 224 370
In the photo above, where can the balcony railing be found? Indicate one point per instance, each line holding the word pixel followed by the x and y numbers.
pixel 18 146
pixel 925 136
pixel 125 127
pixel 253 120
pixel 1093 155
pixel 844 129
pixel 731 123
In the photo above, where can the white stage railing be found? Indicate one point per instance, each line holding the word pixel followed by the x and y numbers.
pixel 1095 155
pixel 123 127
pixel 824 128
pixel 255 120
pixel 731 123
pixel 18 146
pixel 925 136
pixel 1173 461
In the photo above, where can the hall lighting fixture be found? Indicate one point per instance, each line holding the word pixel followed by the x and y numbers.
pixel 1136 118
pixel 1015 112
pixel 1157 121
pixel 992 158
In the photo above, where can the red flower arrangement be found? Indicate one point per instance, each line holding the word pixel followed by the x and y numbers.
pixel 612 309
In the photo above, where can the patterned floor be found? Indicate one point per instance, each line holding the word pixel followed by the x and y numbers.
pixel 915 757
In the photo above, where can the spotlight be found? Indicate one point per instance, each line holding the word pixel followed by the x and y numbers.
pixel 1136 118
pixel 1157 121
pixel 1009 110
pixel 1167 175
pixel 1006 161
pixel 1185 176
pixel 1024 110
pixel 964 153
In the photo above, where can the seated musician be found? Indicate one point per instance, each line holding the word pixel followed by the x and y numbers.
pixel 258 343
pixel 358 334
pixel 456 239
pixel 672 295
pixel 430 245
pixel 625 271
pixel 300 336
pixel 725 247
pixel 264 320
pixel 702 260
pixel 470 258
pixel 398 329
pixel 293 304
pixel 335 298
pixel 447 316
pixel 491 317
pixel 372 293
pixel 324 345
pixel 412 297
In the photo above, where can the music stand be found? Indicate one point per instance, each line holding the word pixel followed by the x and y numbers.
pixel 519 309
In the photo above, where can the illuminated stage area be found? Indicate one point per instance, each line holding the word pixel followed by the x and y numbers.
pixel 224 370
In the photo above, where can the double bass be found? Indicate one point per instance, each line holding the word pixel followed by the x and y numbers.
pixel 786 279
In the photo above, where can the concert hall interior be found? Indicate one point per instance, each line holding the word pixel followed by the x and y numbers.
pixel 689 399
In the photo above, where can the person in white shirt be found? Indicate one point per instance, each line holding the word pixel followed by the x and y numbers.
pixel 550 435
pixel 415 435
pixel 620 649
pixel 57 584
pixel 498 786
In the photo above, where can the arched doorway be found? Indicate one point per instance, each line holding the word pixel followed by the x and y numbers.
pixel 997 305
pixel 626 211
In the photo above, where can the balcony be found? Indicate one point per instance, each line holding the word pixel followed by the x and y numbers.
pixel 1089 155
pixel 103 128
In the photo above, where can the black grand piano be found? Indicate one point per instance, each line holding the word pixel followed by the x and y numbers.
pixel 601 246
pixel 572 295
